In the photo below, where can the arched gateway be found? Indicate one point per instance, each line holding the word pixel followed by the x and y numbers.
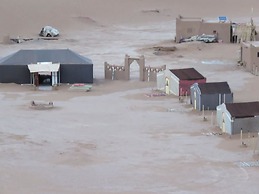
pixel 146 73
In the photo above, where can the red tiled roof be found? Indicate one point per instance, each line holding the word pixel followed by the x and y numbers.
pixel 187 74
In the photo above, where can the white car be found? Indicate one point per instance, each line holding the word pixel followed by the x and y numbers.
pixel 49 31
pixel 207 38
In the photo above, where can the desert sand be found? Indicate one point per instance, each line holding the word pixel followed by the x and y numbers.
pixel 115 139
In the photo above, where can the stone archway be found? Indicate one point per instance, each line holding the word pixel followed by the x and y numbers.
pixel 118 72
pixel 141 62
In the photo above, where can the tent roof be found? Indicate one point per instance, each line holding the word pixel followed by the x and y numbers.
pixel 243 109
pixel 214 88
pixel 187 74
pixel 62 56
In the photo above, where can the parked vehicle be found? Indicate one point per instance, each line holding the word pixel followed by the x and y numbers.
pixel 49 31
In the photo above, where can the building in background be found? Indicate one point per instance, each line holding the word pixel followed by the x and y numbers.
pixel 187 27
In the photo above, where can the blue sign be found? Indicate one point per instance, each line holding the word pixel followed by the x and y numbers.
pixel 222 18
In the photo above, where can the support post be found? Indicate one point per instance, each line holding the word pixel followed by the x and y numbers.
pixel 241 137
pixel 203 116
pixel 256 143
pixel 212 123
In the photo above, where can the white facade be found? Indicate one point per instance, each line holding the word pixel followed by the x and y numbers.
pixel 224 121
pixel 168 82
pixel 233 125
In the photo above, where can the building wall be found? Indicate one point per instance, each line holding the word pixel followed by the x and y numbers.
pixel 161 80
pixel 149 76
pixel 150 73
pixel 18 74
pixel 76 73
pixel 224 120
pixel 228 122
pixel 246 56
pixel 194 93
pixel 219 118
pixel 173 84
pixel 246 124
pixel 208 101
pixel 211 101
pixel 186 28
pixel 254 60
pixel 250 57
pixel 223 30
pixel 119 72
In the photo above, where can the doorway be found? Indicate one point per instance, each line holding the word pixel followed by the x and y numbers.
pixel 223 123
pixel 134 70
pixel 167 86
pixel 45 79
pixel 195 100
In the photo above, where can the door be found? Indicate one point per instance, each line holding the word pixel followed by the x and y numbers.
pixel 223 123
pixel 167 88
pixel 195 100
pixel 36 81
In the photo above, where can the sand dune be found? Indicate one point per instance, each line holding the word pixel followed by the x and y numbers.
pixel 26 17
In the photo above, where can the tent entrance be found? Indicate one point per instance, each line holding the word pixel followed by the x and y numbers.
pixel 44 74
pixel 45 79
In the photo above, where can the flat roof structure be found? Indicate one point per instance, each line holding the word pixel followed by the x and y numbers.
pixel 243 109
pixel 214 87
pixel 187 74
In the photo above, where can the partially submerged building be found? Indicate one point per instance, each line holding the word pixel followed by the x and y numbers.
pixel 48 67
pixel 178 81
pixel 234 117
pixel 187 27
pixel 207 96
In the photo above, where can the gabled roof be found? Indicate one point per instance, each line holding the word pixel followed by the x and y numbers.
pixel 214 88
pixel 187 74
pixel 243 109
pixel 62 56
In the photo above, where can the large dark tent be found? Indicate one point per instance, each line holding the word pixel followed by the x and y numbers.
pixel 73 68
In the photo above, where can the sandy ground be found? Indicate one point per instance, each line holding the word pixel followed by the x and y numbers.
pixel 115 139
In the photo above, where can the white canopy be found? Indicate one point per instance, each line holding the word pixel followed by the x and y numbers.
pixel 44 67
